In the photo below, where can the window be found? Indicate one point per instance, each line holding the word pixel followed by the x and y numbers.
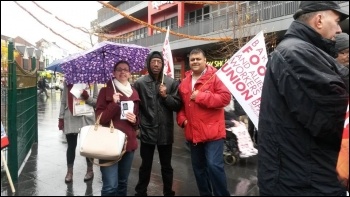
pixel 199 15
pixel 142 32
pixel 26 64
pixel 177 71
pixel 137 34
pixel 173 22
pixel 163 24
pixel 157 31
pixel 192 17
pixel 206 12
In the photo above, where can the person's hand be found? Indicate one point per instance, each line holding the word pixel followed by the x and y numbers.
pixel 84 95
pixel 116 97
pixel 131 117
pixel 185 123
pixel 162 91
pixel 60 123
pixel 194 95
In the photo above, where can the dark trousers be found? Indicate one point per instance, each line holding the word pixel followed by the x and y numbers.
pixel 252 131
pixel 147 152
pixel 72 139
pixel 43 90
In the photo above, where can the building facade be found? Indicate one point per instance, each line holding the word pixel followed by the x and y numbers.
pixel 197 25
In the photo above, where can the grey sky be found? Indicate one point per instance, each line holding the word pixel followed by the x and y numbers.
pixel 17 22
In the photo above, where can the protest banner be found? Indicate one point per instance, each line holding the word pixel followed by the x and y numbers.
pixel 243 74
pixel 168 57
pixel 5 143
pixel 4 138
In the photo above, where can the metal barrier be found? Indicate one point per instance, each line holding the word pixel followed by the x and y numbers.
pixel 20 106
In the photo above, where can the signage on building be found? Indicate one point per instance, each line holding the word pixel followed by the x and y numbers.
pixel 217 63
pixel 157 4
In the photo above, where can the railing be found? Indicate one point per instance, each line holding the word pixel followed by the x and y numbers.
pixel 251 15
pixel 106 13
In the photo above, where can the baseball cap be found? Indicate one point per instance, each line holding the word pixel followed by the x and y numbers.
pixel 314 6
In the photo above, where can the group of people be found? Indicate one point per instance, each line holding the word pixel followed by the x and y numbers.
pixel 156 97
pixel 303 106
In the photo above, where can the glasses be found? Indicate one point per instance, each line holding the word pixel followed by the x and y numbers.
pixel 156 61
pixel 121 70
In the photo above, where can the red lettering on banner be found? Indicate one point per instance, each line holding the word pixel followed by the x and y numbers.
pixel 260 51
pixel 256 104
pixel 261 70
pixel 237 56
pixel 248 49
pixel 255 43
pixel 254 59
pixel 235 80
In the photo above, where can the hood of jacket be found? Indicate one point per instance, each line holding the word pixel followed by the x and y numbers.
pixel 308 34
pixel 148 64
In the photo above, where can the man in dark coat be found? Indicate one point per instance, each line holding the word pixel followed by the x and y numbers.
pixel 303 105
pixel 159 99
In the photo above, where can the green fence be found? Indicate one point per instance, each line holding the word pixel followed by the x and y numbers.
pixel 21 122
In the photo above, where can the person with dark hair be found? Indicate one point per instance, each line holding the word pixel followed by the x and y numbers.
pixel 202 116
pixel 159 100
pixel 303 104
pixel 108 106
pixel 70 125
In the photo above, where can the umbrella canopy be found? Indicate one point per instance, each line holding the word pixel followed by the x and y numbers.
pixel 56 64
pixel 96 64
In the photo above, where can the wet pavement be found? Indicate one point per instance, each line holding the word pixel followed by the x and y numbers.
pixel 44 171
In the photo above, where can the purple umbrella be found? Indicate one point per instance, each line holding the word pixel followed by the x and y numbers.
pixel 96 64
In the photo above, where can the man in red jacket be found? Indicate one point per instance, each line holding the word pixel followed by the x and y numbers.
pixel 202 116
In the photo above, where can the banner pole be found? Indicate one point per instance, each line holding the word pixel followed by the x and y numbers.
pixel 7 171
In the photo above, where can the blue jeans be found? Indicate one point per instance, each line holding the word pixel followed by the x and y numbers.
pixel 208 167
pixel 115 177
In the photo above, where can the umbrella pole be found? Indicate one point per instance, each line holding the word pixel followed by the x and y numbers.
pixel 162 78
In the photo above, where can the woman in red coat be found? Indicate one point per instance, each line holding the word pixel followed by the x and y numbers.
pixel 115 177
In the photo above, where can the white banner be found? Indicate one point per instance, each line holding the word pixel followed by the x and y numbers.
pixel 168 57
pixel 243 74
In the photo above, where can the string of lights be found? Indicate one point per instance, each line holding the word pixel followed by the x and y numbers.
pixel 48 27
pixel 80 28
pixel 206 2
pixel 162 29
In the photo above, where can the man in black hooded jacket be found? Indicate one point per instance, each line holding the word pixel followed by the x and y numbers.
pixel 159 99
pixel 303 105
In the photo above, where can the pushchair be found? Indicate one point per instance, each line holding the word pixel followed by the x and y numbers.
pixel 238 143
pixel 231 150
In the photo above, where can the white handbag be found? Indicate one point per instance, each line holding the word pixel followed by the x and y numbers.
pixel 98 142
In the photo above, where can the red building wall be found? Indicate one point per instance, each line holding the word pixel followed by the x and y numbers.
pixel 165 11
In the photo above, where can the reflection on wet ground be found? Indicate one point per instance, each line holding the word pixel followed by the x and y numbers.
pixel 43 173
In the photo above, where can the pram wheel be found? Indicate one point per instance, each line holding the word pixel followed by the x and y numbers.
pixel 230 159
